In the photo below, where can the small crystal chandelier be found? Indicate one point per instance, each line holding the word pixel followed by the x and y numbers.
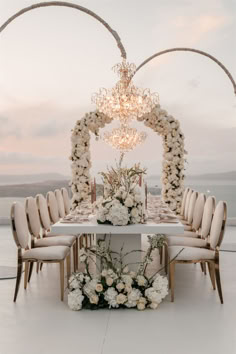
pixel 125 101
pixel 124 138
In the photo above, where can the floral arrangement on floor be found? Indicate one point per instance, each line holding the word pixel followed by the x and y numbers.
pixel 114 286
pixel 173 157
pixel 123 202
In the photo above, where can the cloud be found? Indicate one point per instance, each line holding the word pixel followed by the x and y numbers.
pixel 51 128
pixel 193 83
pixel 193 28
pixel 16 158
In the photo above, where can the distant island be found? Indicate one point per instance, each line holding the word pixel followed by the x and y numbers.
pixel 32 184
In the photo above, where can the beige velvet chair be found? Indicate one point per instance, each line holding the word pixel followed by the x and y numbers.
pixel 183 203
pixel 34 226
pixel 201 225
pixel 46 223
pixel 54 254
pixel 187 201
pixel 187 223
pixel 208 254
pixel 66 200
pixel 60 203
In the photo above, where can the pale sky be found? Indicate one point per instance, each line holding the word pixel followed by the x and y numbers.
pixel 53 59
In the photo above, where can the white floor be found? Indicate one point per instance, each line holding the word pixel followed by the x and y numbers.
pixel 196 323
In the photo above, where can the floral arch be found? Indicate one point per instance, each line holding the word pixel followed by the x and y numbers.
pixel 173 155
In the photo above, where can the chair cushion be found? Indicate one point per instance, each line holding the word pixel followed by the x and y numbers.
pixel 55 241
pixel 187 227
pixel 52 234
pixel 190 253
pixel 47 253
pixel 186 241
pixel 187 234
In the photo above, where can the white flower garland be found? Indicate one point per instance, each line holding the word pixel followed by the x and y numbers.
pixel 173 156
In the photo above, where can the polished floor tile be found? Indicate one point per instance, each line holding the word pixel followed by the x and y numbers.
pixel 196 323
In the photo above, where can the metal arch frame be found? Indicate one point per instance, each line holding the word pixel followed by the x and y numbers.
pixel 194 51
pixel 71 5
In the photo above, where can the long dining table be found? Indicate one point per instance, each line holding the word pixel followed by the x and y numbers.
pixel 130 235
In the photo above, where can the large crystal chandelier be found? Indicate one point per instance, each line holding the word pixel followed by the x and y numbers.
pixel 124 138
pixel 125 101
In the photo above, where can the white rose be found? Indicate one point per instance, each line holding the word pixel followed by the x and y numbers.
pixel 109 281
pixel 121 299
pixel 94 299
pixel 134 212
pixel 99 288
pixel 129 202
pixel 120 286
pixel 153 305
pixel 141 280
pixel 141 306
pixel 104 273
pixel 142 300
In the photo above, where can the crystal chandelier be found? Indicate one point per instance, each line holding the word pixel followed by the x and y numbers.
pixel 124 138
pixel 125 101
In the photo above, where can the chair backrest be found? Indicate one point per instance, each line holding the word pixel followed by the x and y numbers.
pixel 187 203
pixel 218 224
pixel 60 203
pixel 198 211
pixel 184 201
pixel 208 212
pixel 19 225
pixel 66 200
pixel 52 207
pixel 191 206
pixel 43 212
pixel 33 218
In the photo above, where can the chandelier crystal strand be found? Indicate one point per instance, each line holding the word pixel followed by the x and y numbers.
pixel 124 138
pixel 125 101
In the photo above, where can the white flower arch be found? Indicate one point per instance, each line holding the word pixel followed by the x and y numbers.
pixel 173 156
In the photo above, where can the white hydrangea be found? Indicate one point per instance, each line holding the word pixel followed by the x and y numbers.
pixel 133 297
pixel 153 295
pixel 118 214
pixel 110 296
pixel 75 299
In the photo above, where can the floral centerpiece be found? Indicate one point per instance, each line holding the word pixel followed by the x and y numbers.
pixel 123 202
pixel 114 286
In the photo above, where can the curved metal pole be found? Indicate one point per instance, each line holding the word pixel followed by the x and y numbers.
pixel 74 6
pixel 190 50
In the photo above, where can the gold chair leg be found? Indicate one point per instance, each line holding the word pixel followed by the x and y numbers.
pixel 81 241
pixel 218 282
pixel 166 258
pixel 74 257
pixel 161 254
pixel 18 279
pixel 204 267
pixel 26 274
pixel 37 268
pixel 68 266
pixel 172 279
pixel 62 279
pixel 30 270
pixel 77 252
pixel 212 274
